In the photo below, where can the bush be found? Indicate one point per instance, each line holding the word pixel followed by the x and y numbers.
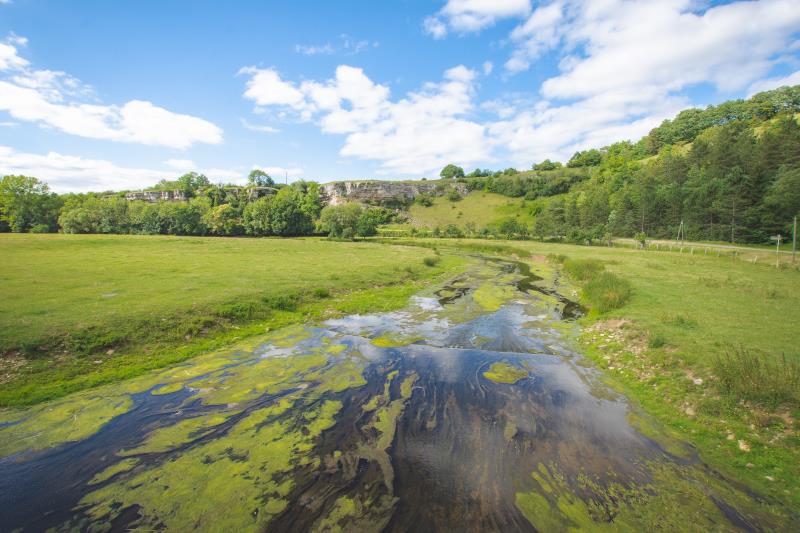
pixel 431 261
pixel 282 302
pixel 40 228
pixel 756 377
pixel 321 293
pixel 606 291
pixel 453 195
pixel 656 341
pixel 583 269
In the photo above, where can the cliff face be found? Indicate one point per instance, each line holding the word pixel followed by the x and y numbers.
pixel 375 192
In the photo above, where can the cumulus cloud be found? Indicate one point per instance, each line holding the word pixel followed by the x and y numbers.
pixel 464 16
pixel 56 100
pixel 70 173
pixel 415 134
pixel 181 164
pixel 262 128
pixel 774 83
pixel 65 173
pixel 624 67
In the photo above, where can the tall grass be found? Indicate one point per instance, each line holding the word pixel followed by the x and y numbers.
pixel 756 377
pixel 606 291
pixel 583 269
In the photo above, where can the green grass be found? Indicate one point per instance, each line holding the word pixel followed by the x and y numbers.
pixel 70 299
pixel 684 314
pixel 478 207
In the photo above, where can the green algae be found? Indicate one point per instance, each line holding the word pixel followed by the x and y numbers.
pixel 491 296
pixel 236 482
pixel 667 439
pixel 384 422
pixel 70 419
pixel 678 498
pixel 391 341
pixel 176 435
pixel 117 468
pixel 343 508
pixel 247 382
pixel 338 377
pixel 167 389
pixel 502 372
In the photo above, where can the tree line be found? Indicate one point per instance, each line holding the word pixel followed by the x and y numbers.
pixel 27 205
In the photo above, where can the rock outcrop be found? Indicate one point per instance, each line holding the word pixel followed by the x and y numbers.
pixel 383 192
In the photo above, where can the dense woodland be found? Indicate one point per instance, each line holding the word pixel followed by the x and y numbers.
pixel 729 172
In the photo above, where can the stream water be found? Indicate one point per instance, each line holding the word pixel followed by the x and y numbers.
pixel 466 411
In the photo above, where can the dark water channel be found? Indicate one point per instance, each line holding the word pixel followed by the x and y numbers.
pixel 388 422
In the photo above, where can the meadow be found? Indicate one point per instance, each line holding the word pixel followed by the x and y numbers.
pixel 480 208
pixel 79 310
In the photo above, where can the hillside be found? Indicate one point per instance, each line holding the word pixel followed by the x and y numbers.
pixel 479 208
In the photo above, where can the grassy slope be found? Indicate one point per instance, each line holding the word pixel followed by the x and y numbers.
pixel 700 307
pixel 157 300
pixel 478 207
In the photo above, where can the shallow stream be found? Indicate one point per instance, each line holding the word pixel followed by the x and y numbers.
pixel 466 411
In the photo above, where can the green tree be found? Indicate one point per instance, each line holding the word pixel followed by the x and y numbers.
pixel 26 202
pixel 341 221
pixel 259 178
pixel 451 172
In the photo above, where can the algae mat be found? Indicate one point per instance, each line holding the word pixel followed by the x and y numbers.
pixel 467 411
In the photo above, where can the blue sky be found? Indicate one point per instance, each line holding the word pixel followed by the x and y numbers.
pixel 113 95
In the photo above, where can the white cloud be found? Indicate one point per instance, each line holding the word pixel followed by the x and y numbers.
pixel 181 164
pixel 259 128
pixel 419 133
pixel 488 67
pixel 774 83
pixel 347 45
pixel 473 15
pixel 266 88
pixel 72 173
pixel 434 27
pixel 57 100
pixel 69 173
pixel 9 59
pixel 278 174
pixel 312 50
pixel 624 66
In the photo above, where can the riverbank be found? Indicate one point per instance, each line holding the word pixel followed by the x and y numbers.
pixel 663 348
pixel 84 310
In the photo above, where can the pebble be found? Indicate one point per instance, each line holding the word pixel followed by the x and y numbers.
pixel 110 352
pixel 744 446
pixel 769 478
pixel 698 381
pixel 750 465
pixel 98 361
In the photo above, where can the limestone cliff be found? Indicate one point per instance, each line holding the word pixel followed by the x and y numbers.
pixel 379 192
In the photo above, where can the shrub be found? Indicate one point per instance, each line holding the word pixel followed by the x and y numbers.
pixel 282 302
pixel 321 293
pixel 40 228
pixel 583 269
pixel 748 375
pixel 606 291
pixel 656 341
pixel 431 261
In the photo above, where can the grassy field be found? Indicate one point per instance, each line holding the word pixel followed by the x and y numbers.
pixel 663 348
pixel 81 310
pixel 478 207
